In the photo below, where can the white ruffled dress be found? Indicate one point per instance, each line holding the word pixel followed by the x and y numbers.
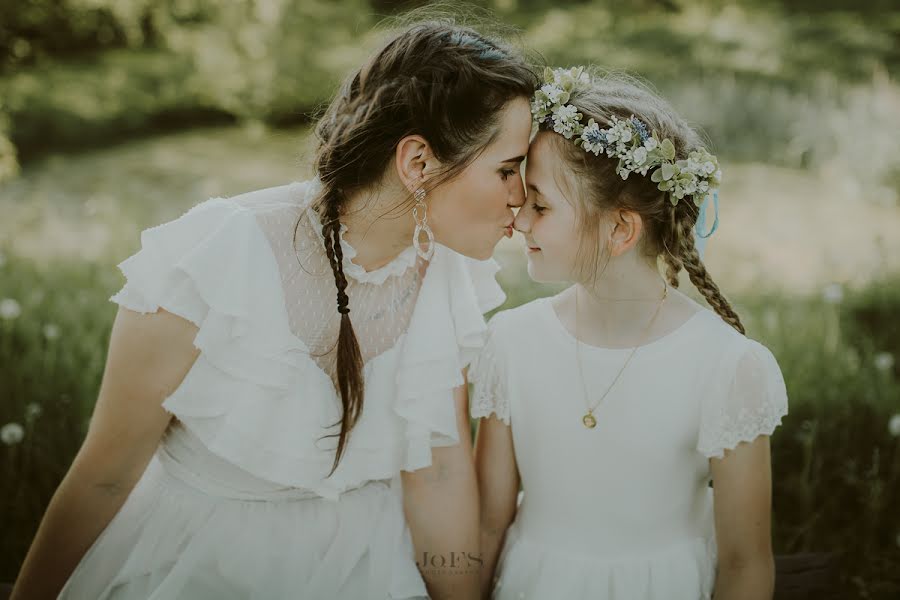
pixel 623 511
pixel 235 503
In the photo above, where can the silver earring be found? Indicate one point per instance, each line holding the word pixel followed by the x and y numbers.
pixel 420 214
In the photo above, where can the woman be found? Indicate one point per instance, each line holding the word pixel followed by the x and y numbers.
pixel 303 431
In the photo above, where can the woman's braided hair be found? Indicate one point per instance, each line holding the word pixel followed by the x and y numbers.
pixel 437 79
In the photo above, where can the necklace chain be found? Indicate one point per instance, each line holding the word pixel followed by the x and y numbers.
pixel 589 420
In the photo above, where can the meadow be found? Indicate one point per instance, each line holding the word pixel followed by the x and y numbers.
pixel 801 106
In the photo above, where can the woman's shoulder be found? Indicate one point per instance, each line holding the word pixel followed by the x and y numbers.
pixel 294 194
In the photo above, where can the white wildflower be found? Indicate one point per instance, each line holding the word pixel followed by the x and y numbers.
pixel 32 411
pixel 565 118
pixel 709 167
pixel 894 425
pixel 833 293
pixel 9 309
pixel 51 331
pixel 651 144
pixel 884 361
pixel 552 91
pixel 639 156
pixel 12 433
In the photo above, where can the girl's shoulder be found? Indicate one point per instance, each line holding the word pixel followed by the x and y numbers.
pixel 521 322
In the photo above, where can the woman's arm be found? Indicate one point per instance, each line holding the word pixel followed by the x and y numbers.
pixel 149 355
pixel 498 485
pixel 742 481
pixel 441 506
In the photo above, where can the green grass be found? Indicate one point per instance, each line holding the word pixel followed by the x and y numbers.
pixel 836 466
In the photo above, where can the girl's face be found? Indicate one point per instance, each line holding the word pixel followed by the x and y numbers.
pixel 473 211
pixel 548 219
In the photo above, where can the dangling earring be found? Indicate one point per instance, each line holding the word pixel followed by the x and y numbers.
pixel 420 214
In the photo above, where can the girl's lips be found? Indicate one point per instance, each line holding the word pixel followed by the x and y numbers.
pixel 509 231
pixel 532 249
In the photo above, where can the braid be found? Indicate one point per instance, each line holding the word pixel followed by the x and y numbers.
pixel 670 240
pixel 687 255
pixel 349 356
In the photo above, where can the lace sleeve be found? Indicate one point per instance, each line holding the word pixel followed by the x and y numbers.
pixel 751 404
pixel 488 378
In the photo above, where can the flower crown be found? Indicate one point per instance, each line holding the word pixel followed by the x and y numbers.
pixel 638 150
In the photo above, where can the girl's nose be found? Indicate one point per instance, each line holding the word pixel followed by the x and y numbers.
pixel 522 223
pixel 517 197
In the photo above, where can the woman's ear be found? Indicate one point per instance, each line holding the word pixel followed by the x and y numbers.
pixel 414 161
pixel 627 227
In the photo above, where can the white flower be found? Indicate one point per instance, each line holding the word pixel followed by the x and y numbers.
pixel 11 433
pixel 32 411
pixel 51 331
pixel 650 144
pixel 894 425
pixel 552 91
pixel 709 167
pixel 884 361
pixel 639 156
pixel 565 118
pixel 833 293
pixel 9 309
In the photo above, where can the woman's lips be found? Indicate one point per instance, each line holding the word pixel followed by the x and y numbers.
pixel 532 249
pixel 509 231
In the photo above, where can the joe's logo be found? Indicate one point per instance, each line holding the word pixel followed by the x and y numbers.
pixel 458 562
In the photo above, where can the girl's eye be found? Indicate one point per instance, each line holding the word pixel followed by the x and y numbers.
pixel 506 174
pixel 538 209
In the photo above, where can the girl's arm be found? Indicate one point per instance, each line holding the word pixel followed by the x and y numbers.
pixel 498 484
pixel 742 481
pixel 441 506
pixel 149 355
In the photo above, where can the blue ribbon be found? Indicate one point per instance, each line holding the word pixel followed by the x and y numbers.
pixel 699 236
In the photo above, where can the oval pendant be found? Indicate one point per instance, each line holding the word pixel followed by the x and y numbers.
pixel 589 421
pixel 426 254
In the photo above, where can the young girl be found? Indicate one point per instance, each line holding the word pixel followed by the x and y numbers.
pixel 618 402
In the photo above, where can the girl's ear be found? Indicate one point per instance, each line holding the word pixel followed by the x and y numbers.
pixel 627 227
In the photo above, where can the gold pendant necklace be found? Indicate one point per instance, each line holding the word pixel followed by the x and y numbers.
pixel 589 420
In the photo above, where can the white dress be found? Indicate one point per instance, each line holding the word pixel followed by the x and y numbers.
pixel 623 511
pixel 235 503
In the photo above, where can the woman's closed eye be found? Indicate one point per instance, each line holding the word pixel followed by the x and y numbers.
pixel 538 208
pixel 506 173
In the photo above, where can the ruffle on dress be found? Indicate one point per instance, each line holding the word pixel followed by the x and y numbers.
pixel 255 396
pixel 746 405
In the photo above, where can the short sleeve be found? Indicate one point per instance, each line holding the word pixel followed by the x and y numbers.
pixel 488 377
pixel 750 401
pixel 192 264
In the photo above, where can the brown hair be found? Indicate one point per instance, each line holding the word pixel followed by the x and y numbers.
pixel 668 229
pixel 435 78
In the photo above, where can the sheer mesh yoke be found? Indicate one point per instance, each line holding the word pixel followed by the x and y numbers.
pixel 381 301
pixel 262 392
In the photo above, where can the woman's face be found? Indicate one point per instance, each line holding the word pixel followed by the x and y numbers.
pixel 548 219
pixel 470 213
